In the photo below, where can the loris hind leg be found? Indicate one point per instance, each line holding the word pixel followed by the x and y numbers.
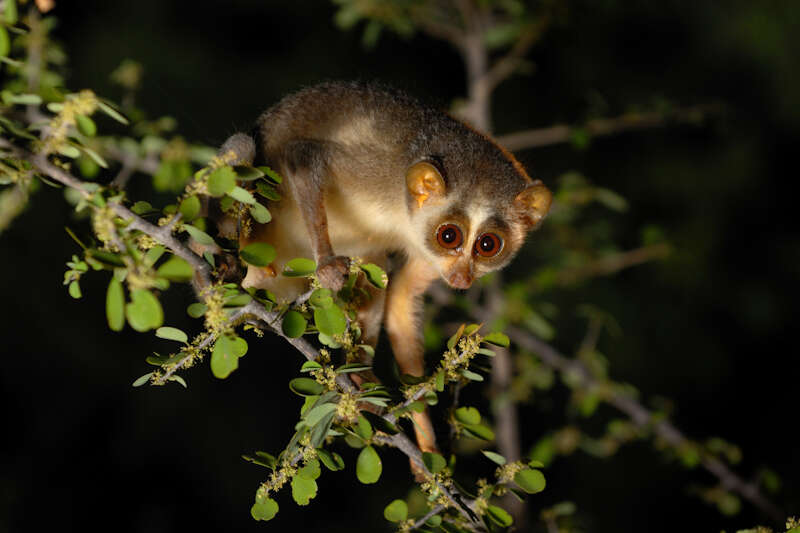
pixel 403 306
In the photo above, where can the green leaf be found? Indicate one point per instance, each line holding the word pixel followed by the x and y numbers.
pixel 260 213
pixel 375 275
pixel 440 376
pixel 320 430
pixel 196 310
pixel 5 42
pixel 306 387
pixel 153 255
pixel 318 412
pixel 221 181
pixel 397 511
pixel 142 207
pixel 262 458
pixel 321 298
pixel 294 324
pixel 332 460
pixel 471 375
pixel 176 269
pixel 225 355
pixel 363 428
pixel 451 342
pixel 434 462
pixel 115 305
pixel 267 191
pixel 530 480
pixel 170 333
pixel 330 320
pixel 496 457
pixel 303 490
pixel 75 289
pixel 142 380
pixel 368 466
pixel 258 254
pixel 308 366
pixel 264 510
pixel 242 195
pixel 238 300
pixel 310 470
pixel 178 379
pixel 198 235
pixel 352 367
pixel 299 267
pixel 11 12
pixel 468 415
pixel 274 176
pixel 189 208
pixel 499 516
pixel 144 312
pixel 497 338
pixel 86 125
pixel 478 431
pixel 111 112
pixel 246 173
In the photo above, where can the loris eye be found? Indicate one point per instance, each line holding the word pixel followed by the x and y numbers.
pixel 449 236
pixel 488 245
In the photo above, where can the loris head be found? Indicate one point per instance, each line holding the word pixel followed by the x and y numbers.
pixel 471 217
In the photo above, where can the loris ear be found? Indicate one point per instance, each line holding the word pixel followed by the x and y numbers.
pixel 533 203
pixel 424 182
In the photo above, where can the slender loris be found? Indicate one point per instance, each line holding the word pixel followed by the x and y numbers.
pixel 371 172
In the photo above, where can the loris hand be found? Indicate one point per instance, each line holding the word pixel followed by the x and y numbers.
pixel 332 272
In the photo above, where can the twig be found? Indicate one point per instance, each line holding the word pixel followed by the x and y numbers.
pixel 610 264
pixel 560 133
pixel 433 512
pixel 643 417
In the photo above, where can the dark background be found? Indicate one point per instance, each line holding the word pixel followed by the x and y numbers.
pixel 710 328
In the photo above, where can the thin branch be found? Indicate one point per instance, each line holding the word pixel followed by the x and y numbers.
pixel 430 514
pixel 611 264
pixel 505 66
pixel 203 272
pixel 643 417
pixel 561 133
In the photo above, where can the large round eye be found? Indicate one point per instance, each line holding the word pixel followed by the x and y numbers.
pixel 449 236
pixel 488 245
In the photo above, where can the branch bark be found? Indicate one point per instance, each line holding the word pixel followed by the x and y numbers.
pixel 561 133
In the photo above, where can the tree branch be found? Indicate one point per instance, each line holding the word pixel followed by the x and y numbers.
pixel 643 417
pixel 561 133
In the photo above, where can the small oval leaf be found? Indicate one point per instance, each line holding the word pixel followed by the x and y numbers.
pixel 170 333
pixel 530 480
pixel 294 324
pixel 264 510
pixel 258 254
pixel 368 466
pixel 299 267
pixel 221 181
pixel 144 312
pixel 115 305
pixel 306 387
pixel 397 511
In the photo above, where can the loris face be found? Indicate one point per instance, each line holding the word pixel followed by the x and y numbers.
pixel 464 239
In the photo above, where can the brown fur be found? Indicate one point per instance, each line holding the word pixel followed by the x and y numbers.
pixel 345 150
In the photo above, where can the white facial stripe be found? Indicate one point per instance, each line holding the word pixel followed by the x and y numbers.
pixel 478 215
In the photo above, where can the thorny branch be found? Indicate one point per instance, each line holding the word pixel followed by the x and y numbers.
pixel 202 270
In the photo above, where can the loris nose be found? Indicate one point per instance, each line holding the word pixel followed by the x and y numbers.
pixel 460 279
